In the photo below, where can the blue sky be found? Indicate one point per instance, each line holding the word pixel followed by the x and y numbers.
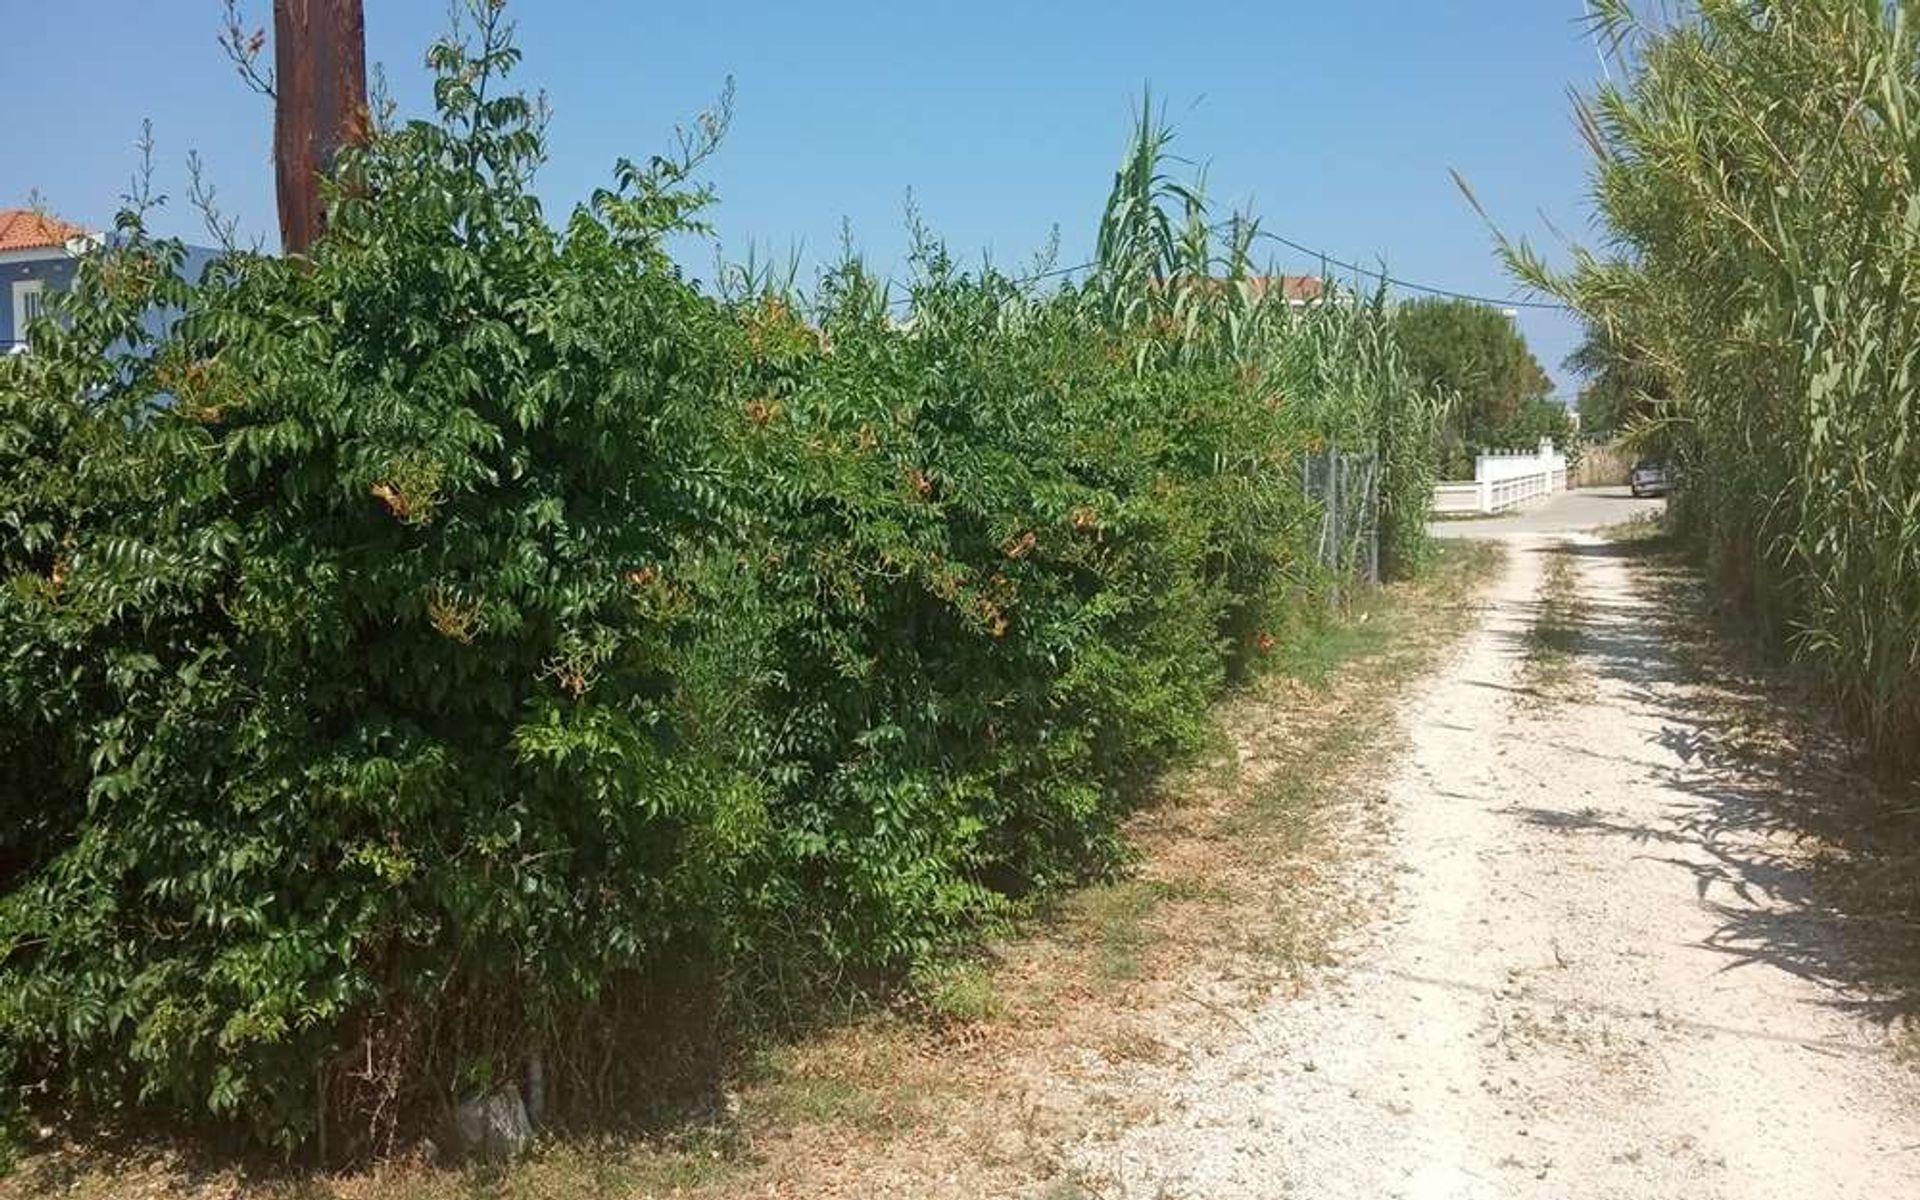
pixel 1336 121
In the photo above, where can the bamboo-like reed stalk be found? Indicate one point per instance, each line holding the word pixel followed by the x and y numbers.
pixel 1758 171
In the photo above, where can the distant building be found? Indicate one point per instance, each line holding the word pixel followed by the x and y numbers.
pixel 38 255
pixel 1299 290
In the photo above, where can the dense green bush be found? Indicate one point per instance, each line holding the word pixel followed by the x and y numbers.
pixel 429 637
pixel 1759 170
pixel 339 695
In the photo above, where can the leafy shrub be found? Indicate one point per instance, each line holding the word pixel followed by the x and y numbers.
pixel 429 641
pixel 354 678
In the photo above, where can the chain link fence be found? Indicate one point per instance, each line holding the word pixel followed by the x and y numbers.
pixel 1347 485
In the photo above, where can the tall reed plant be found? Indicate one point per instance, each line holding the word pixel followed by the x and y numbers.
pixel 1758 170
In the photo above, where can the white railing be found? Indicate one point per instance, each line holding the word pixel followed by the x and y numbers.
pixel 1504 480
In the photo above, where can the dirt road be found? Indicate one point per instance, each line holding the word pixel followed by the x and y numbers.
pixel 1581 987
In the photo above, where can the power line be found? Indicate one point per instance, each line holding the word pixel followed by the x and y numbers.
pixel 1329 260
pixel 1020 282
pixel 1408 284
pixel 1085 266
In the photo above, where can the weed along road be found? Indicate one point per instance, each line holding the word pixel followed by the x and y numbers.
pixel 1600 970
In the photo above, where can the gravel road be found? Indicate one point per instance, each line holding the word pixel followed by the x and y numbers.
pixel 1578 989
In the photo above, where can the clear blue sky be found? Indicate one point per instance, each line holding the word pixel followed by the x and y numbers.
pixel 1336 120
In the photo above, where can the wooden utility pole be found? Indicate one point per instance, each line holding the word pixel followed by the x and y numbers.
pixel 320 104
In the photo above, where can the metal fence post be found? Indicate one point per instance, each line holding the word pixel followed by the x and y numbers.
pixel 1347 488
pixel 1373 519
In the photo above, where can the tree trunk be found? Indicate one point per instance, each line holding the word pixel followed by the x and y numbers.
pixel 320 81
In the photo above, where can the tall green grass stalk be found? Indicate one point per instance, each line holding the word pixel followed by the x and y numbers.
pixel 1758 170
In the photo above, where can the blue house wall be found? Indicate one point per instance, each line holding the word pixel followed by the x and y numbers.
pixel 57 271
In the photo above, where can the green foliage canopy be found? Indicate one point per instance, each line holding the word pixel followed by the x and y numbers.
pixel 1473 353
pixel 1622 393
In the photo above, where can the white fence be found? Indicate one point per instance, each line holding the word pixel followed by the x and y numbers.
pixel 1501 481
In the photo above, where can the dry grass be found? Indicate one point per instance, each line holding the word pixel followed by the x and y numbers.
pixel 1237 891
pixel 1553 641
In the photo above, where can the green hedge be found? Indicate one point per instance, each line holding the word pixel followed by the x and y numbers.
pixel 428 640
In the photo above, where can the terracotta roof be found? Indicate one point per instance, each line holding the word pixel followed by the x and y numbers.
pixel 25 229
pixel 1299 289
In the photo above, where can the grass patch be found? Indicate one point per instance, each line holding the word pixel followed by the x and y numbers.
pixel 1390 625
pixel 1332 640
pixel 1643 527
pixel 1118 920
pixel 854 1078
pixel 1553 640
pixel 822 1101
pixel 700 1160
pixel 959 991
pixel 1330 751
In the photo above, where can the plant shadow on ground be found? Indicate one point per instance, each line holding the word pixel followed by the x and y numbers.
pixel 1232 868
pixel 1820 848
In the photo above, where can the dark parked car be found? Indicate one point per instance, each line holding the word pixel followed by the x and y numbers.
pixel 1648 479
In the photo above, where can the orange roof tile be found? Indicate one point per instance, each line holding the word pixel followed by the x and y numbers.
pixel 1299 289
pixel 25 229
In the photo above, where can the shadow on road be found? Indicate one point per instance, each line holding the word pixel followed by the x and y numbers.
pixel 1810 862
